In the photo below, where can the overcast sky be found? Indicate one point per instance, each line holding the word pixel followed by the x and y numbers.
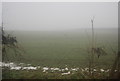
pixel 0 13
pixel 58 16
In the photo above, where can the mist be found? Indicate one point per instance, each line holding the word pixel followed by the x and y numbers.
pixel 47 16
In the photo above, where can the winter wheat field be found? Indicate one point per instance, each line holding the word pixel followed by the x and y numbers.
pixel 56 38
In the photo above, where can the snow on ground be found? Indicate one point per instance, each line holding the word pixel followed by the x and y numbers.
pixel 66 73
pixel 45 69
pixel 63 71
pixel 29 68
pixel 11 64
pixel 15 68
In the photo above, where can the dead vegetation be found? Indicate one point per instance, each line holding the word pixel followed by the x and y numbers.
pixel 10 42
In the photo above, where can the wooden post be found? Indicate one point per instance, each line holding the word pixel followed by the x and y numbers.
pixel 92 55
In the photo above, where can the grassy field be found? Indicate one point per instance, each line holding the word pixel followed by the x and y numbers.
pixel 60 48
pixel 63 49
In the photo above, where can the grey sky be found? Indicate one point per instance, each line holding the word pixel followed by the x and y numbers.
pixel 0 12
pixel 58 16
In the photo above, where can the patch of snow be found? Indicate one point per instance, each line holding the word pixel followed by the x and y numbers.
pixel 66 73
pixel 15 68
pixel 66 68
pixel 29 68
pixel 115 70
pixel 94 70
pixel 55 69
pixel 45 68
pixel 102 70
pixel 74 69
pixel 8 64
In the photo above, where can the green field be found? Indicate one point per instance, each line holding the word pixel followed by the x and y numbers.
pixel 68 47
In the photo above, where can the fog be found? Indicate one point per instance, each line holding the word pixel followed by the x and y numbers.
pixel 0 13
pixel 59 15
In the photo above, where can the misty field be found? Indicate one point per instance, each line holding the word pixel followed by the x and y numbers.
pixel 59 40
pixel 65 48
pixel 55 48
